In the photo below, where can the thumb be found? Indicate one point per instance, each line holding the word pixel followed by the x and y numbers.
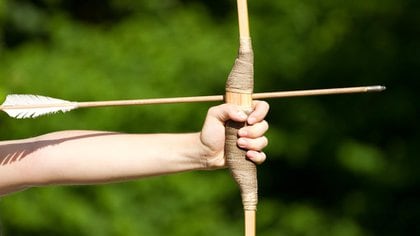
pixel 227 112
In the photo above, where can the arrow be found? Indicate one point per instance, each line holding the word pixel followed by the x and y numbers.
pixel 31 106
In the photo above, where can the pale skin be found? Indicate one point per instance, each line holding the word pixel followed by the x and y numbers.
pixel 96 157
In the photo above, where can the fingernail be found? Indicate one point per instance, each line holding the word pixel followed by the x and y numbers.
pixel 242 115
pixel 241 142
pixel 252 120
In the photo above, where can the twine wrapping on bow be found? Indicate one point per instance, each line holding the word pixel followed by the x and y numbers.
pixel 239 88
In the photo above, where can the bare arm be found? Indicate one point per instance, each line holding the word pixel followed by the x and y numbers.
pixel 89 157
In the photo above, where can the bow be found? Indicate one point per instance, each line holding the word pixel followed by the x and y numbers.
pixel 239 88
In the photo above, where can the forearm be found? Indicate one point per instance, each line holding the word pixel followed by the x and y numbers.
pixel 87 157
pixel 90 157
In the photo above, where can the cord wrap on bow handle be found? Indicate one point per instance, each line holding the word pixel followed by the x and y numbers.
pixel 239 88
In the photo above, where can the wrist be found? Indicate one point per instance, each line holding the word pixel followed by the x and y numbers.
pixel 197 152
pixel 210 158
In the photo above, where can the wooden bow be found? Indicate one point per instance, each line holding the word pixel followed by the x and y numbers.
pixel 239 88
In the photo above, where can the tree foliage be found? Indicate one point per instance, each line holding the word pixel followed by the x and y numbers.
pixel 338 165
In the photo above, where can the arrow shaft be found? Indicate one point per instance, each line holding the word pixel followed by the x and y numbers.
pixel 212 98
pixel 316 92
pixel 220 98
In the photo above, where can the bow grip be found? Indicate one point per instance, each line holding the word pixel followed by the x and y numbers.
pixel 239 88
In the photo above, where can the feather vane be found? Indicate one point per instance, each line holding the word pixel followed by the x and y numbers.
pixel 22 106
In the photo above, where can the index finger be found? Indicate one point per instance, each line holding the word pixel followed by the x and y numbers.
pixel 261 109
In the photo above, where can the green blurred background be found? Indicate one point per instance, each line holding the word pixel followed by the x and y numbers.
pixel 338 165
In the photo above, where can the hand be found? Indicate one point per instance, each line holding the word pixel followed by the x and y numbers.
pixel 251 137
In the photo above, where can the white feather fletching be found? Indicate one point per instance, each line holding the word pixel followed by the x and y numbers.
pixel 22 106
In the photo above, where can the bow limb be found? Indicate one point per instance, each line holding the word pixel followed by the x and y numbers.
pixel 239 88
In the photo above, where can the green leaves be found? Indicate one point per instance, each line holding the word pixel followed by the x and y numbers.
pixel 338 165
pixel 362 159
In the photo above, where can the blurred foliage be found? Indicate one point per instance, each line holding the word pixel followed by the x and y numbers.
pixel 338 165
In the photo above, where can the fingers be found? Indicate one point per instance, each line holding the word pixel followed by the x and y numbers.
pixel 260 111
pixel 251 137
pixel 227 112
pixel 254 147
pixel 256 144
pixel 256 157
pixel 254 131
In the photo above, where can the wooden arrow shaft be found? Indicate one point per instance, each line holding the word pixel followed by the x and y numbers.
pixel 213 98
pixel 220 98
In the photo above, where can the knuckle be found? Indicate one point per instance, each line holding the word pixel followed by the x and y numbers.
pixel 213 110
pixel 266 105
pixel 265 125
pixel 263 157
pixel 264 141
